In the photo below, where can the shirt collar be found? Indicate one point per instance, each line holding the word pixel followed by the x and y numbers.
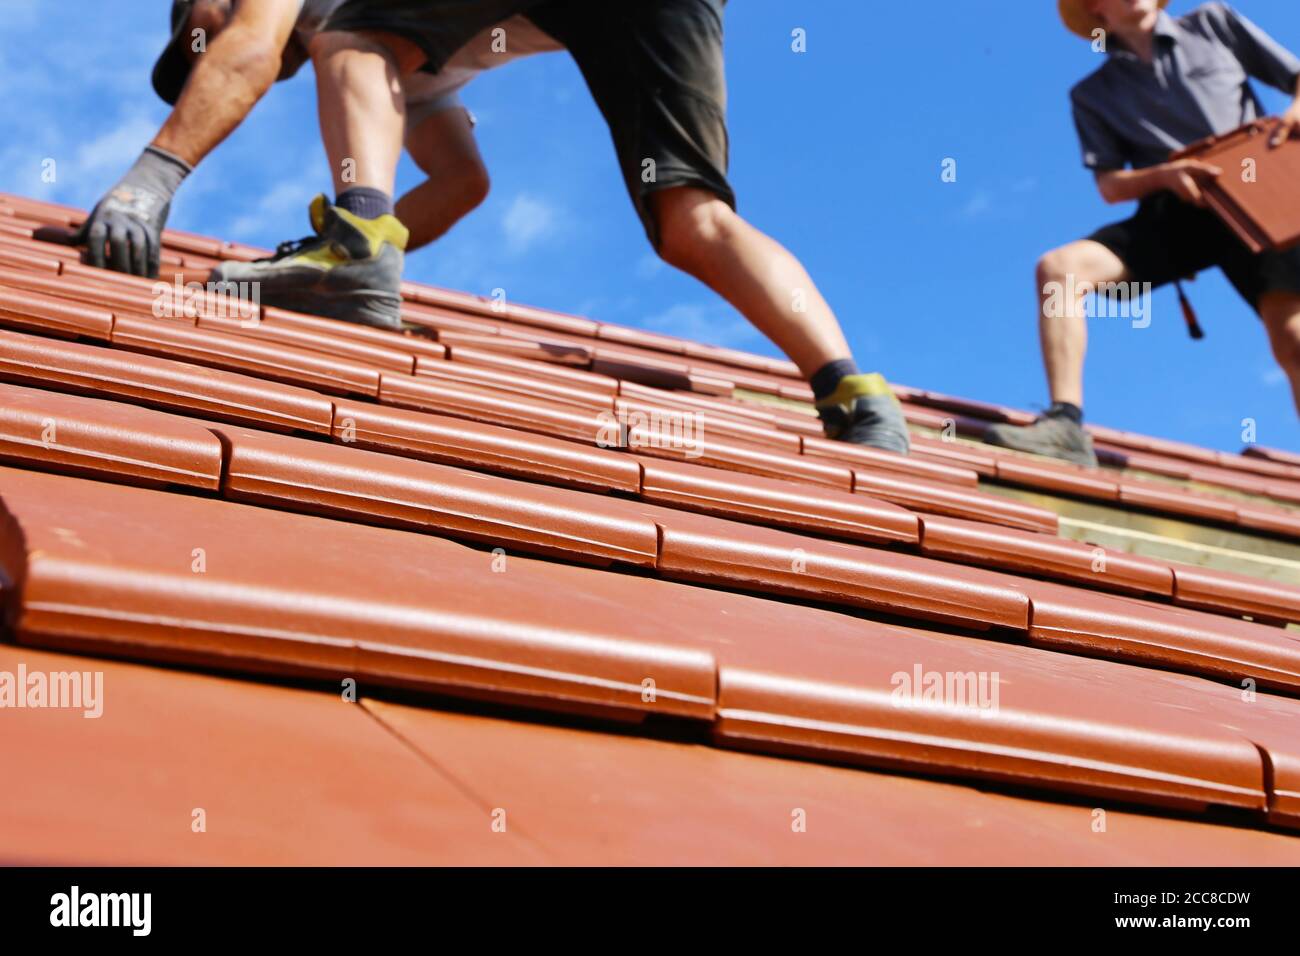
pixel 1167 28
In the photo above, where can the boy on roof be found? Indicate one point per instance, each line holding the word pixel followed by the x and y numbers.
pixel 1167 82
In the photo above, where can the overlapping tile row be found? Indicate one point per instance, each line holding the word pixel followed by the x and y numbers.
pixel 379 783
pixel 453 518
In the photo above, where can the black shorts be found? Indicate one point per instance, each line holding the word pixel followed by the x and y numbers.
pixel 1169 239
pixel 654 68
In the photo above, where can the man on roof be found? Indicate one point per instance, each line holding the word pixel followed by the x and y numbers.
pixel 1167 82
pixel 655 69
pixel 439 129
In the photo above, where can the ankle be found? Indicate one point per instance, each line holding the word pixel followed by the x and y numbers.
pixel 827 378
pixel 1066 410
pixel 365 202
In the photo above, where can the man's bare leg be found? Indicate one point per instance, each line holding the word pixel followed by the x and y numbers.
pixel 361 105
pixel 352 268
pixel 443 146
pixel 701 235
pixel 1281 314
pixel 704 237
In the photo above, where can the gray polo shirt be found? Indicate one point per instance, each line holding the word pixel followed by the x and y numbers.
pixel 1134 113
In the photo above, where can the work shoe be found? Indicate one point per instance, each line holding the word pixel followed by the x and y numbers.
pixel 351 269
pixel 1052 435
pixel 863 411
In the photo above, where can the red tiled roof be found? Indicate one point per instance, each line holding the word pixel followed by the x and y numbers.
pixel 443 516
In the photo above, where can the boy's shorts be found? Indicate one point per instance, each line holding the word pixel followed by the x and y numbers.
pixel 1170 239
pixel 654 68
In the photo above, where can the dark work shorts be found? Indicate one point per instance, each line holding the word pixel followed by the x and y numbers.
pixel 1170 239
pixel 654 68
pixel 438 27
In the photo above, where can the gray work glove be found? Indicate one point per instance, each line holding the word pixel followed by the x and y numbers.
pixel 130 219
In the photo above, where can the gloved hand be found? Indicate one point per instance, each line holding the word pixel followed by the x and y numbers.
pixel 130 219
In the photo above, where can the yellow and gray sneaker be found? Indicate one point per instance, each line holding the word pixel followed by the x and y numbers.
pixel 351 269
pixel 863 411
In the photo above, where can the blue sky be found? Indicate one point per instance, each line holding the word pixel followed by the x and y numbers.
pixel 836 151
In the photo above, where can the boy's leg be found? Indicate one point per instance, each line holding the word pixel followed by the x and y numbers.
pixel 442 144
pixel 1064 278
pixel 1281 314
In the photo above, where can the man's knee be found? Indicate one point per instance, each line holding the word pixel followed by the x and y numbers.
pixel 470 181
pixel 690 222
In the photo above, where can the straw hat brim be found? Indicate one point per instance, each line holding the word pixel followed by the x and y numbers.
pixel 1082 21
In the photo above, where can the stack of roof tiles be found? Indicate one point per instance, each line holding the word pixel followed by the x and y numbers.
pixel 568 649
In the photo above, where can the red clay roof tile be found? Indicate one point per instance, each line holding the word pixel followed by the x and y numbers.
pixel 1040 554
pixel 603 799
pixel 509 381
pixel 240 354
pixel 490 406
pixel 87 436
pixel 319 596
pixel 337 599
pixel 549 371
pixel 380 356
pixel 770 501
pixel 489 447
pixel 415 344
pixel 706 424
pixel 699 548
pixel 161 382
pixel 302 475
pixel 1171 638
pixel 1217 590
pixel 51 315
pixel 866 458
pixel 293 776
pixel 933 497
pixel 741 456
pixel 556 353
pixel 886 696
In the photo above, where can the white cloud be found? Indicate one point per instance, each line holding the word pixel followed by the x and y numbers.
pixel 978 205
pixel 110 155
pixel 279 211
pixel 526 221
pixel 713 323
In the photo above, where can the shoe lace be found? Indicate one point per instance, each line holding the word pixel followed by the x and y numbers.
pixel 292 247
